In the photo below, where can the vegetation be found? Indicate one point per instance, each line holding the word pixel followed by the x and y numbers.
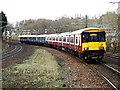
pixel 4 45
pixel 3 22
pixel 39 71
pixel 67 24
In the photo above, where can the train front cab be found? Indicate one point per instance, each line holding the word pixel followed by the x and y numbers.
pixel 93 44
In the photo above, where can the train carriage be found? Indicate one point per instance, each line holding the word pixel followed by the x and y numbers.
pixel 92 43
pixel 51 40
pixel 33 39
pixel 63 43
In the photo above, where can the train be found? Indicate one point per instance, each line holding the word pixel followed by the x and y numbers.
pixel 88 43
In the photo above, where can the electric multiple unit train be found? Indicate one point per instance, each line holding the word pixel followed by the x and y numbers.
pixel 88 43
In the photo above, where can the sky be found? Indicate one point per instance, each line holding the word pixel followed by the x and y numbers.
pixel 18 10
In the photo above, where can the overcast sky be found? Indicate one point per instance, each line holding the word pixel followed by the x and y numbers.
pixel 17 10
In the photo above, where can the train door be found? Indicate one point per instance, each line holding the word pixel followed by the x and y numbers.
pixel 76 43
pixel 79 42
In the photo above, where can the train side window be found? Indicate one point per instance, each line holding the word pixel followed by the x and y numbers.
pixel 76 40
pixel 43 38
pixel 53 38
pixel 60 39
pixel 40 38
pixel 50 38
pixel 56 38
pixel 64 39
pixel 71 40
pixel 67 39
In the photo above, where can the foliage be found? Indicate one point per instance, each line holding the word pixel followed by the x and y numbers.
pixel 63 24
pixel 3 21
pixel 4 45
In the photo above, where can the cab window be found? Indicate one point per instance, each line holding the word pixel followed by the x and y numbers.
pixel 93 37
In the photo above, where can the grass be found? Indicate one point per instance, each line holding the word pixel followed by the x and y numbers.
pixel 39 71
pixel 4 45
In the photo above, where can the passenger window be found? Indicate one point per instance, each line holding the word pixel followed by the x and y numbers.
pixel 67 39
pixel 64 39
pixel 53 38
pixel 50 38
pixel 56 38
pixel 76 40
pixel 60 39
pixel 71 40
pixel 40 38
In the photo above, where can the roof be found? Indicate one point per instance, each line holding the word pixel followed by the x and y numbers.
pixel 81 30
pixel 32 35
pixel 66 33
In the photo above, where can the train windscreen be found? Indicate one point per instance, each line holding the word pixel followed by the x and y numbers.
pixel 93 37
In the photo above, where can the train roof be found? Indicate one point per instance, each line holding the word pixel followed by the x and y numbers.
pixel 33 35
pixel 82 30
pixel 52 35
pixel 27 35
pixel 61 34
pixel 66 33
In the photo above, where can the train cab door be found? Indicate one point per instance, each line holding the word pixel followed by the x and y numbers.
pixel 79 41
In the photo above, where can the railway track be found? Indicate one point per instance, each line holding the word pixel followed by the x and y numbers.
pixel 112 63
pixel 18 48
pixel 111 75
pixel 111 68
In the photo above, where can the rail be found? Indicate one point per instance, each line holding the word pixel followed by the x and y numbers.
pixel 11 53
pixel 100 74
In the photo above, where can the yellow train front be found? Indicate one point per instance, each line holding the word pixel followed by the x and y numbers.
pixel 93 44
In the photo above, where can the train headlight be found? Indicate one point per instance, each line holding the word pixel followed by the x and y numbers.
pixel 101 48
pixel 86 48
